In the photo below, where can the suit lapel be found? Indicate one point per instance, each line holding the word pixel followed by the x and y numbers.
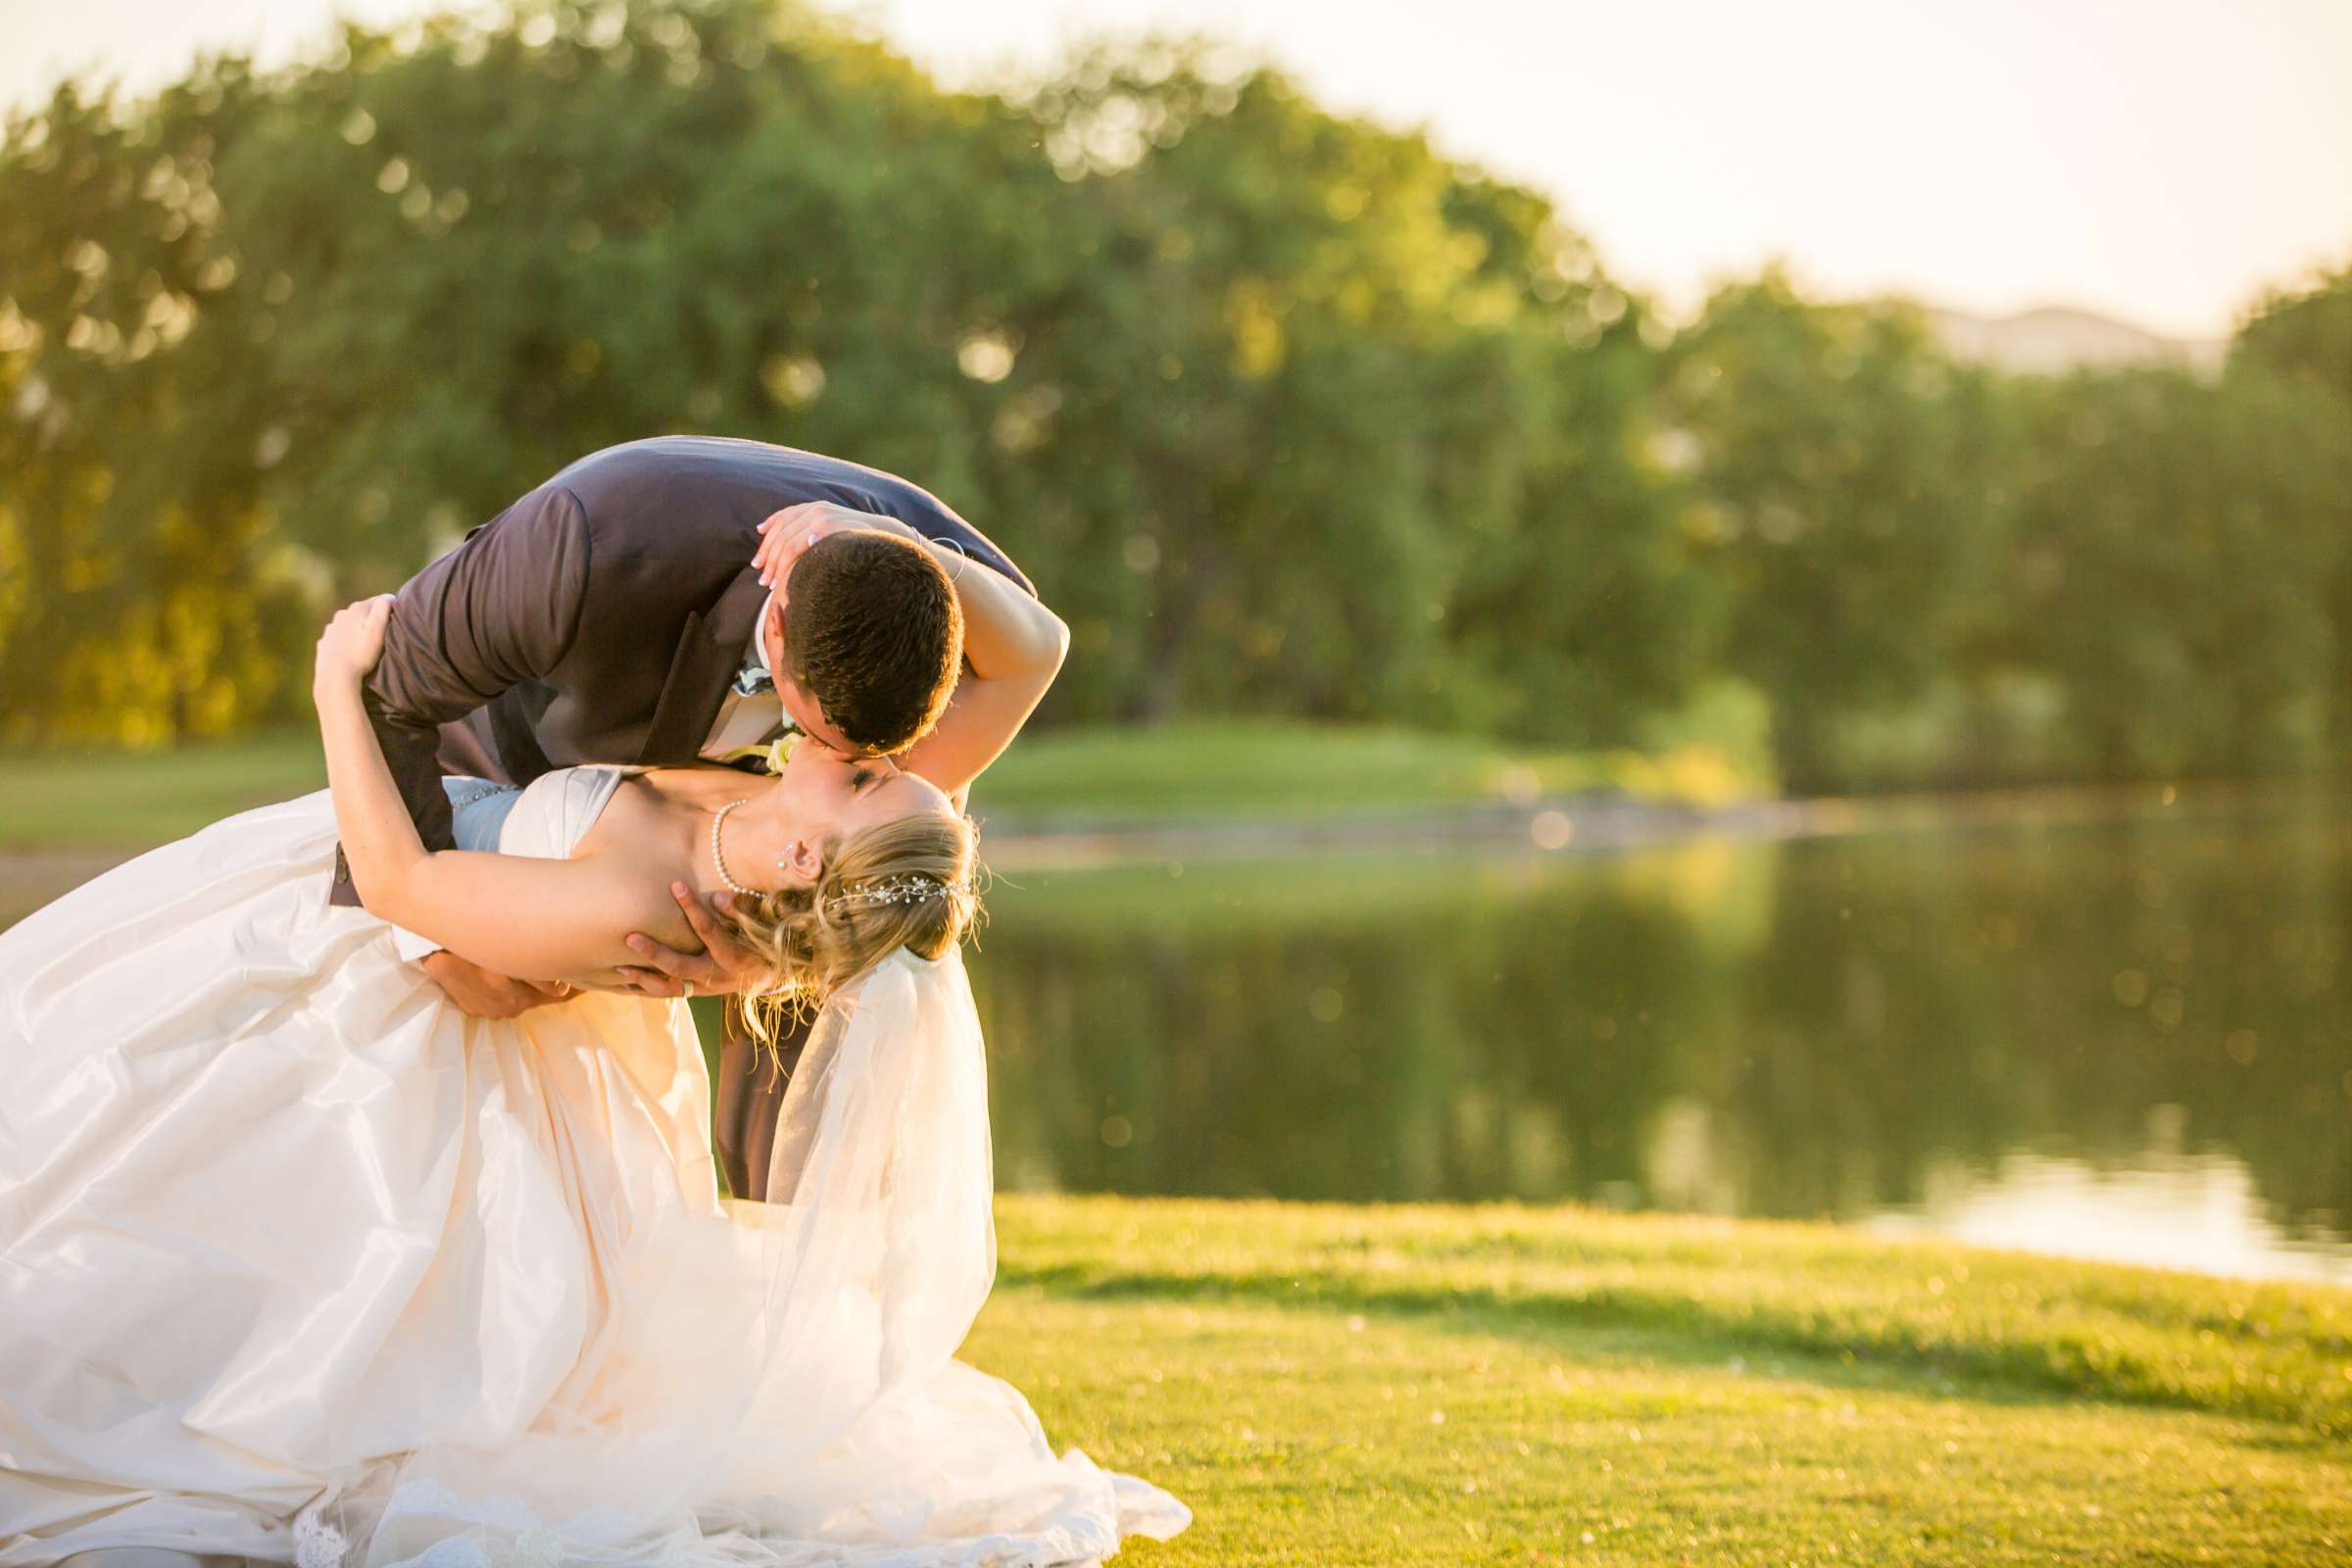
pixel 709 654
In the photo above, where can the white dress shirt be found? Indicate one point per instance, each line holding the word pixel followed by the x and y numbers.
pixel 745 720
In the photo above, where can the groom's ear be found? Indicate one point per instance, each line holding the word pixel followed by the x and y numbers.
pixel 771 627
pixel 875 635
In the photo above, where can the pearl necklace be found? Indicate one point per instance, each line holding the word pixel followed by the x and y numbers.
pixel 717 820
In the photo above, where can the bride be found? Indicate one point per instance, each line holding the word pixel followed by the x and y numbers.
pixel 298 1262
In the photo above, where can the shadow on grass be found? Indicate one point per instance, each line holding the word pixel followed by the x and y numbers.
pixel 1675 1330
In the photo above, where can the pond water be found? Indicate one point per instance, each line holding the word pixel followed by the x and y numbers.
pixel 2126 1039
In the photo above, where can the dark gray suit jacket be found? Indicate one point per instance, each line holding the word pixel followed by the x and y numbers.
pixel 602 617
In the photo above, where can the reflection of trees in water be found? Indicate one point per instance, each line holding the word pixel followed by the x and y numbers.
pixel 1850 1051
pixel 1497 1047
pixel 1797 1029
pixel 1811 1036
pixel 1963 995
pixel 1153 1063
pixel 2206 970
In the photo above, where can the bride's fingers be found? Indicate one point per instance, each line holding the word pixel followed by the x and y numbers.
pixel 765 560
pixel 368 613
pixel 781 548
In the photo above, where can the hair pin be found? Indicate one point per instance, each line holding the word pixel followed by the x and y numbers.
pixel 908 887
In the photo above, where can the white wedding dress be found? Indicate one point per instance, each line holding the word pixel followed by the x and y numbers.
pixel 300 1264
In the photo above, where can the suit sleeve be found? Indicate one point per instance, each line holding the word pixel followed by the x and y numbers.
pixel 499 611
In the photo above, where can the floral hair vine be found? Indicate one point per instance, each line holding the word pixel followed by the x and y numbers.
pixel 909 887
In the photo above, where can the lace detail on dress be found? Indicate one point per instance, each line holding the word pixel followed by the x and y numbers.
pixel 318 1543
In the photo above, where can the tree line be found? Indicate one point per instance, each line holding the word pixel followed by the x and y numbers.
pixel 1287 412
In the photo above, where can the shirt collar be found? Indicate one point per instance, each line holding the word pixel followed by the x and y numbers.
pixel 755 656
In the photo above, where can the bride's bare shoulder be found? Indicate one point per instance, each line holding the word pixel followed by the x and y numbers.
pixel 642 813
pixel 640 845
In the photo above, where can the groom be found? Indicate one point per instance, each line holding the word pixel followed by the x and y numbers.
pixel 614 615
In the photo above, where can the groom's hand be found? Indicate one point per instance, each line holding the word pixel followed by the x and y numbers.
pixel 724 965
pixel 485 992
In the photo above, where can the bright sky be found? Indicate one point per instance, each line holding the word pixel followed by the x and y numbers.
pixel 2157 159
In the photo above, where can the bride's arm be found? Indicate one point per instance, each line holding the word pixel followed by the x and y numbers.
pixel 1014 647
pixel 531 919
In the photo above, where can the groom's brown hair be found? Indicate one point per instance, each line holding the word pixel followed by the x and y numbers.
pixel 873 632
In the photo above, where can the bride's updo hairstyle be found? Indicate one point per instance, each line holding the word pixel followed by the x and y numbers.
pixel 905 883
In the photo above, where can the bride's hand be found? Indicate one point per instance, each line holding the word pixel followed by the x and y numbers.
pixel 352 643
pixel 786 535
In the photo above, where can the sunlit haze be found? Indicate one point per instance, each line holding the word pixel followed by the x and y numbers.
pixel 2156 159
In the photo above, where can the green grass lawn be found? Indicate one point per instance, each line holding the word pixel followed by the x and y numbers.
pixel 1238 767
pixel 132 800
pixel 1501 1385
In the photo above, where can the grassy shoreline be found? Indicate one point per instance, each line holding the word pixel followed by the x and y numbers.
pixel 1213 781
pixel 1231 770
pixel 1431 1385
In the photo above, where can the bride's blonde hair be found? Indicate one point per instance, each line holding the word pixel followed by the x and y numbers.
pixel 910 882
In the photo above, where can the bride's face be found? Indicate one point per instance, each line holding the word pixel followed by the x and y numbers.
pixel 824 793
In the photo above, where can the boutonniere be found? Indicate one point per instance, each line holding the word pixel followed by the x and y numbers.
pixel 779 752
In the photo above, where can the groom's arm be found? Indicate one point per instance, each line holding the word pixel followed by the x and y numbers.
pixel 1014 646
pixel 500 610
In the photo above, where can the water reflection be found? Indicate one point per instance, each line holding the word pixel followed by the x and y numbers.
pixel 2129 1039
pixel 2023 1034
pixel 2199 1212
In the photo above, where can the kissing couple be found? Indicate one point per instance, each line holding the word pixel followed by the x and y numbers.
pixel 359 1196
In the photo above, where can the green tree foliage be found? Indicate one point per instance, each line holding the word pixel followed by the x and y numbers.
pixel 1584 609
pixel 2173 565
pixel 2306 335
pixel 1361 399
pixel 141 595
pixel 1265 396
pixel 1851 485
pixel 1287 412
pixel 2303 332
